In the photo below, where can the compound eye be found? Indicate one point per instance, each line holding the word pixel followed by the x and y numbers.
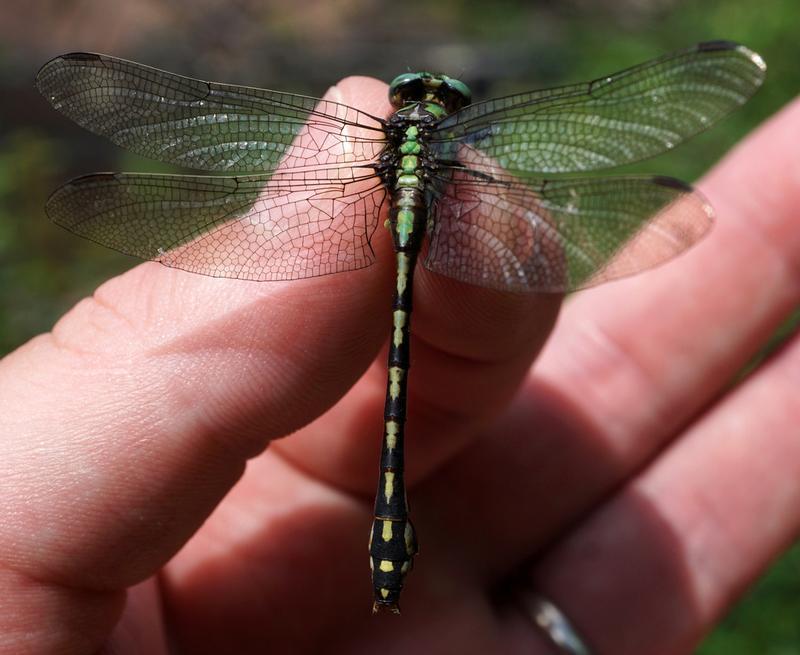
pixel 406 88
pixel 402 79
pixel 460 88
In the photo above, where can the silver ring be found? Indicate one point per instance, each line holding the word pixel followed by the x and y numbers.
pixel 554 624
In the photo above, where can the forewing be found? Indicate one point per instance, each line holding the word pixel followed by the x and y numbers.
pixel 611 121
pixel 206 125
pixel 249 227
pixel 560 235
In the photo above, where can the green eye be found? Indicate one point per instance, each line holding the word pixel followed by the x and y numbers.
pixel 459 87
pixel 402 79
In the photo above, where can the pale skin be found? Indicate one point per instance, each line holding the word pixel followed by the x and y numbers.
pixel 621 476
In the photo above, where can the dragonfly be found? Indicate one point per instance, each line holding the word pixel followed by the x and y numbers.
pixel 479 190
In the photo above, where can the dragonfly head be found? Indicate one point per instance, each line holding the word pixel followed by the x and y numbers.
pixel 442 90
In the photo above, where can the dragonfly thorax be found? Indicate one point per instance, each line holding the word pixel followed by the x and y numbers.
pixel 442 90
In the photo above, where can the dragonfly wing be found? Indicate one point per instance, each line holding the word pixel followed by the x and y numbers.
pixel 206 125
pixel 560 235
pixel 248 227
pixel 611 121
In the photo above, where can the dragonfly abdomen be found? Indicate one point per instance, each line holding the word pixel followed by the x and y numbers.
pixel 393 542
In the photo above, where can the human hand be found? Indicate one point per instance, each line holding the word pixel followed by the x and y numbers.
pixel 656 490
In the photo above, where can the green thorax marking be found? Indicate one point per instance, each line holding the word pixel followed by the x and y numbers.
pixel 409 178
pixel 409 163
pixel 410 148
pixel 436 109
pixel 408 173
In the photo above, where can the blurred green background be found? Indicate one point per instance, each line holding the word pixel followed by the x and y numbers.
pixel 305 46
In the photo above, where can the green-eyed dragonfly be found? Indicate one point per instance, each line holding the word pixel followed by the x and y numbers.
pixel 310 180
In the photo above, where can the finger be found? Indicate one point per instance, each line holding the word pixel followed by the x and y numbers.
pixel 654 568
pixel 127 425
pixel 140 628
pixel 641 357
pixel 575 433
pixel 470 348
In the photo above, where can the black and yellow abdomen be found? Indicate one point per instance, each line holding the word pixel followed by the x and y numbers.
pixel 393 543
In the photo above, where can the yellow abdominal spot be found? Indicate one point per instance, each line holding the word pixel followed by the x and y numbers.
pixel 399 323
pixel 402 272
pixel 388 489
pixel 384 592
pixel 387 531
pixel 395 376
pixel 386 566
pixel 392 429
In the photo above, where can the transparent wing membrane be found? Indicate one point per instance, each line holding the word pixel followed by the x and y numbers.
pixel 248 227
pixel 560 235
pixel 611 121
pixel 313 197
pixel 206 125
